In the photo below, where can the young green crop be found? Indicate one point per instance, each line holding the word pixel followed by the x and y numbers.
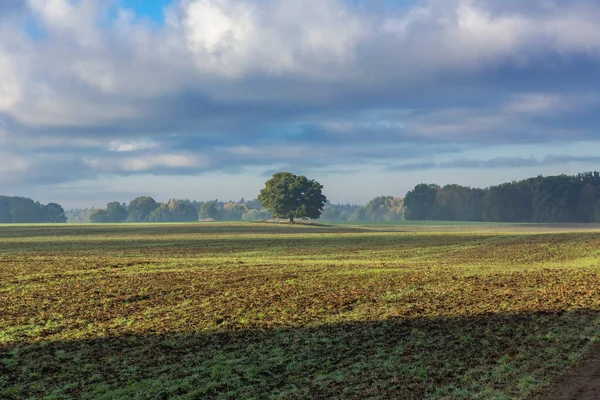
pixel 284 312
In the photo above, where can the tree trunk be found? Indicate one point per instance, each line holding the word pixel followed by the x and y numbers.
pixel 291 220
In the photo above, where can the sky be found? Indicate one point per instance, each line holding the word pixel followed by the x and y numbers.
pixel 105 100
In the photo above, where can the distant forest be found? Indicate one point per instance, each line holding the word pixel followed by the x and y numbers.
pixel 24 210
pixel 146 209
pixel 561 198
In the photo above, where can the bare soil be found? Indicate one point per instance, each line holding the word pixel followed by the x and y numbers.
pixel 583 383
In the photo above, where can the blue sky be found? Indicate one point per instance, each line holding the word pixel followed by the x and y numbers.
pixel 106 100
pixel 153 9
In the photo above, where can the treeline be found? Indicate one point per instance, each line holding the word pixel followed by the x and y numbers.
pixel 383 208
pixel 550 199
pixel 146 209
pixel 21 210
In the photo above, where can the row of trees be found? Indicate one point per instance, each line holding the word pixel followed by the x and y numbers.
pixel 562 198
pixel 290 196
pixel 146 209
pixel 23 210
pixel 383 208
pixel 448 203
pixel 285 196
pixel 386 208
pixel 233 211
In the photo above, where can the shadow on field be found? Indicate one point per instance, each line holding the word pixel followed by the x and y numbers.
pixel 495 356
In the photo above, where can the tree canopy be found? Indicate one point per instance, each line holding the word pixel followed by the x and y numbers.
pixel 55 214
pixel 100 217
pixel 209 210
pixel 117 212
pixel 420 201
pixel 25 210
pixel 140 208
pixel 174 211
pixel 290 196
pixel 543 199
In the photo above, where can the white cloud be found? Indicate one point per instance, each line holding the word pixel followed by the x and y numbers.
pixel 147 163
pixel 12 164
pixel 76 22
pixel 10 91
pixel 483 37
pixel 217 27
pixel 441 35
pixel 575 30
pixel 91 69
pixel 533 103
pixel 231 38
pixel 121 146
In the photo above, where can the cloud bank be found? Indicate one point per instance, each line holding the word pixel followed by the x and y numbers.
pixel 92 88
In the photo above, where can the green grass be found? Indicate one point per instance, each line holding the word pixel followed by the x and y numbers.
pixel 417 223
pixel 289 312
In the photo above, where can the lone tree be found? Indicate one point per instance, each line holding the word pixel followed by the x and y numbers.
pixel 289 196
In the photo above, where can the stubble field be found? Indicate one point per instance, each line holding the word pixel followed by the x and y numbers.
pixel 292 312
